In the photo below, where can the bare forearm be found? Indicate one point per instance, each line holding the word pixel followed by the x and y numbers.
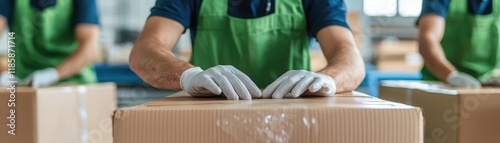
pixel 87 36
pixel 82 57
pixel 431 31
pixel 157 66
pixel 434 58
pixel 3 25
pixel 346 67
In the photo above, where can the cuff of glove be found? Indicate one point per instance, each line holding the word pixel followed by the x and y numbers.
pixel 451 75
pixel 188 75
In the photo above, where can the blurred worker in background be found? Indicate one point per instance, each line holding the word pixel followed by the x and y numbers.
pixel 460 42
pixel 56 40
pixel 243 45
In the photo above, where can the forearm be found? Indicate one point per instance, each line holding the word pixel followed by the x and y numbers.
pixel 434 58
pixel 82 57
pixel 3 25
pixel 346 67
pixel 87 36
pixel 157 66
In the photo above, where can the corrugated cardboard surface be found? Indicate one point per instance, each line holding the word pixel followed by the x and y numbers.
pixel 64 114
pixel 452 115
pixel 346 118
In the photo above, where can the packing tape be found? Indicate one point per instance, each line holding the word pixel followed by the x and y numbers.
pixel 82 104
pixel 409 98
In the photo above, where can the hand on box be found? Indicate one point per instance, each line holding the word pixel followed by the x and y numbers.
pixel 5 78
pixel 218 80
pixel 459 79
pixel 494 81
pixel 300 82
pixel 43 78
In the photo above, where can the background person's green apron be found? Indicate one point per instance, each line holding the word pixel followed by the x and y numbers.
pixel 471 42
pixel 263 48
pixel 45 39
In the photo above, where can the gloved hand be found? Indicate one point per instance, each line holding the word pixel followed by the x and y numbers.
pixel 217 80
pixel 459 79
pixel 43 77
pixel 296 82
pixel 494 81
pixel 5 78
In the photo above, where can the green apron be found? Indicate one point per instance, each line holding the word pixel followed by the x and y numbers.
pixel 471 42
pixel 45 39
pixel 264 48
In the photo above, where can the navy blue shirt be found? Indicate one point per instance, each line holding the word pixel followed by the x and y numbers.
pixel 319 13
pixel 440 7
pixel 85 11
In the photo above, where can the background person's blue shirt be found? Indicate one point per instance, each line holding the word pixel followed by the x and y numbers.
pixel 85 11
pixel 319 13
pixel 441 7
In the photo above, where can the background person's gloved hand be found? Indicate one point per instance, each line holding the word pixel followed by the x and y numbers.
pixel 458 79
pixel 494 81
pixel 5 79
pixel 296 82
pixel 43 78
pixel 228 80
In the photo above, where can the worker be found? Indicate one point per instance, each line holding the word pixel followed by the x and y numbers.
pixel 243 46
pixel 459 41
pixel 55 40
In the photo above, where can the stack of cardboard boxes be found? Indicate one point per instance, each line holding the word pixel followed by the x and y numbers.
pixel 452 115
pixel 398 55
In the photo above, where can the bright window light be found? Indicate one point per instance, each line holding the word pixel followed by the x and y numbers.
pixel 380 7
pixel 410 8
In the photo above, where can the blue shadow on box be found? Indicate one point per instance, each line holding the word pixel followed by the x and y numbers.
pixel 121 74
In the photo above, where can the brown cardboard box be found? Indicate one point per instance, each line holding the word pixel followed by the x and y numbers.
pixel 398 55
pixel 451 115
pixel 345 118
pixel 64 114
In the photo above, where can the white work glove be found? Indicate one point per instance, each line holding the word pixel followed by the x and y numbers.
pixel 43 77
pixel 228 80
pixel 494 81
pixel 5 79
pixel 459 79
pixel 296 82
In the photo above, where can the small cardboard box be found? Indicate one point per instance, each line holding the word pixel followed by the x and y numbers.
pixel 63 114
pixel 452 115
pixel 345 118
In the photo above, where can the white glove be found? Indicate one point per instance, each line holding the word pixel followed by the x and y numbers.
pixel 217 80
pixel 296 82
pixel 494 81
pixel 459 79
pixel 5 79
pixel 43 77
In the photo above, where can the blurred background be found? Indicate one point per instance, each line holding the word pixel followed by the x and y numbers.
pixel 384 31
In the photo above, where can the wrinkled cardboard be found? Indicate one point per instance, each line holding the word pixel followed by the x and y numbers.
pixel 56 114
pixel 345 118
pixel 452 115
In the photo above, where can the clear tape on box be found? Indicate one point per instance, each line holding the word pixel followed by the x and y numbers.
pixel 265 127
pixel 82 92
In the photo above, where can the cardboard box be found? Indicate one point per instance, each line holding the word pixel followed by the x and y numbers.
pixel 398 55
pixel 345 118
pixel 452 115
pixel 65 114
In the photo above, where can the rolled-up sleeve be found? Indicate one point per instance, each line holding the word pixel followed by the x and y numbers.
pixel 177 10
pixel 323 13
pixel 437 7
pixel 6 9
pixel 86 12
